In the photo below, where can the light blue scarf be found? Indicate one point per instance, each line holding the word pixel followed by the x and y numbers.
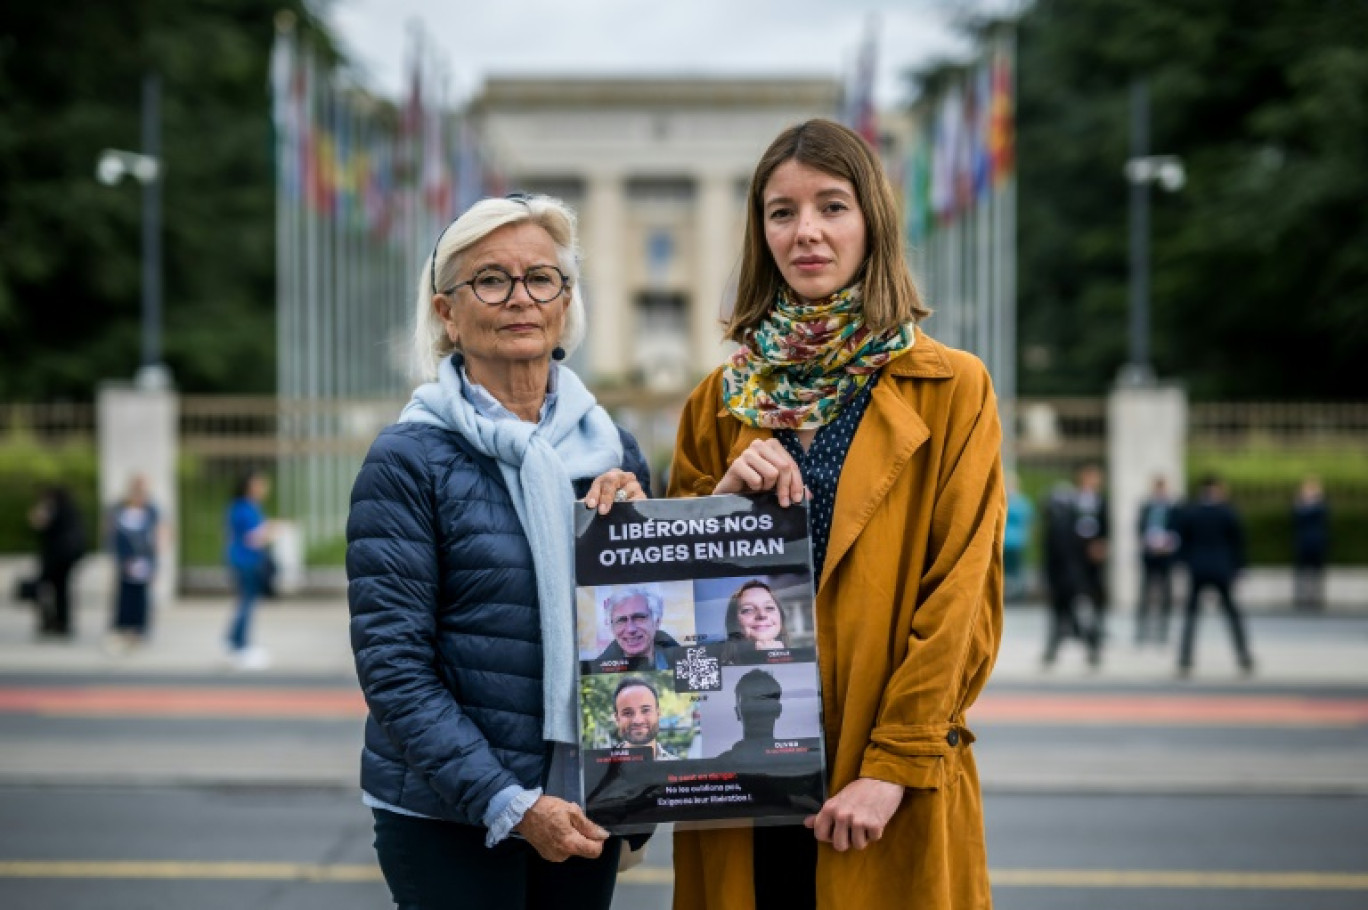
pixel 577 439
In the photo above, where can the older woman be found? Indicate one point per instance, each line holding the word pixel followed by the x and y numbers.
pixel 837 395
pixel 755 616
pixel 459 557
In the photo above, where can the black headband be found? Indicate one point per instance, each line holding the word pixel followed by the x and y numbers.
pixel 524 198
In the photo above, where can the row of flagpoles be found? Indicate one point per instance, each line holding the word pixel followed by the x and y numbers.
pixel 959 184
pixel 363 186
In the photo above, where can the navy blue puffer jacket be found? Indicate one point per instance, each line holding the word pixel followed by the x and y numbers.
pixel 444 624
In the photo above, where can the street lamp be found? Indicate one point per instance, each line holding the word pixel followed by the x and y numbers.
pixel 146 168
pixel 1141 170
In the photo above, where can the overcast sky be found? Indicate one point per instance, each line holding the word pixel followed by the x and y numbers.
pixel 478 38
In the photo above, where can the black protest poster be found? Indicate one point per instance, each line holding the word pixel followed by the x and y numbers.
pixel 700 700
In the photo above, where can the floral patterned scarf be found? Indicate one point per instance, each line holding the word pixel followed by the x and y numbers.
pixel 799 367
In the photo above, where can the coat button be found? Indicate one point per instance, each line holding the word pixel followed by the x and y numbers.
pixel 952 737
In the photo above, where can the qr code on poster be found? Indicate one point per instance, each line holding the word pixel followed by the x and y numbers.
pixel 699 670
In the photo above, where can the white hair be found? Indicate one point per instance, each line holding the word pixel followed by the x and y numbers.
pixel 430 342
pixel 654 602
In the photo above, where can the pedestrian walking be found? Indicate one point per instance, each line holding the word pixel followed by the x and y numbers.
pixel 1091 530
pixel 460 577
pixel 61 545
pixel 249 536
pixel 1158 548
pixel 134 530
pixel 1211 544
pixel 1310 545
pixel 835 384
pixel 1063 571
pixel 1016 538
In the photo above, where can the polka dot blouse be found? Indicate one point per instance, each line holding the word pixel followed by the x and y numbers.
pixel 821 466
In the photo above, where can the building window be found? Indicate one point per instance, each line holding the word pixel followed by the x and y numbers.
pixel 660 189
pixel 662 343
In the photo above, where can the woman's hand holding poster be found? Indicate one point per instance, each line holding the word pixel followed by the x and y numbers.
pixel 700 698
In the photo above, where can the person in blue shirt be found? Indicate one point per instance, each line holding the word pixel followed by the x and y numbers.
pixel 1016 535
pixel 249 535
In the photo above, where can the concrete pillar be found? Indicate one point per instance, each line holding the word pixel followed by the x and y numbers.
pixel 138 434
pixel 718 251
pixel 1146 437
pixel 611 321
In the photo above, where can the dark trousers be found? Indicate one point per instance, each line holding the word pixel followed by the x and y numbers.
pixel 785 866
pixel 1308 583
pixel 1063 621
pixel 1066 623
pixel 1151 618
pixel 54 600
pixel 131 607
pixel 436 865
pixel 1095 590
pixel 248 590
pixel 1236 622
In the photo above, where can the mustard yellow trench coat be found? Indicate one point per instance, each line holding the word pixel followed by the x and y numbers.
pixel 909 618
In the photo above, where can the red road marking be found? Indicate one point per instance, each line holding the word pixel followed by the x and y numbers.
pixel 1003 708
pixel 1171 710
pixel 134 701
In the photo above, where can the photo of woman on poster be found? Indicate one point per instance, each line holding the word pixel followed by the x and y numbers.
pixel 761 618
pixel 755 617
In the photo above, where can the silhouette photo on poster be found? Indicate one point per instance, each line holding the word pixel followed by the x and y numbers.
pixel 761 711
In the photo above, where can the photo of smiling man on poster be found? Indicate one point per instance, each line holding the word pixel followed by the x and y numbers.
pixel 632 620
pixel 636 714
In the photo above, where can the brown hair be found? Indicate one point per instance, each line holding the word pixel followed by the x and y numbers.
pixel 732 621
pixel 890 297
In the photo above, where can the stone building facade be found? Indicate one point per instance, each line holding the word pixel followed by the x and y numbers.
pixel 657 170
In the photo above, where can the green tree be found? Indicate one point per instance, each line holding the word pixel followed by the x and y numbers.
pixel 1260 264
pixel 70 280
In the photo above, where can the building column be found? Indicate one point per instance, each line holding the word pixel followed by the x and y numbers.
pixel 718 253
pixel 610 319
pixel 137 432
pixel 1146 438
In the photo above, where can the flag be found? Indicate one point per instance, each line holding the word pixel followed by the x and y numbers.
pixel 1001 140
pixel 918 190
pixel 437 190
pixel 860 113
pixel 981 152
pixel 949 123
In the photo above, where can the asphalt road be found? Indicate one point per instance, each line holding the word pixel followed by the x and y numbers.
pixel 158 785
pixel 129 849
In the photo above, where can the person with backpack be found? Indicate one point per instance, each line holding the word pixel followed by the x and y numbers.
pixel 61 544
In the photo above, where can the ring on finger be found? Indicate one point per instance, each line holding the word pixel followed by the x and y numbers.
pixel 620 495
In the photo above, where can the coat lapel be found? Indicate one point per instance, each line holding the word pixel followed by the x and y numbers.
pixel 889 432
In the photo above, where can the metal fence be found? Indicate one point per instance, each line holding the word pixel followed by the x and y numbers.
pixel 1264 450
pixel 47 443
pixel 313 450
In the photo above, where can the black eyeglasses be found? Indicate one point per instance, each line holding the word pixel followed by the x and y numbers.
pixel 524 198
pixel 494 285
